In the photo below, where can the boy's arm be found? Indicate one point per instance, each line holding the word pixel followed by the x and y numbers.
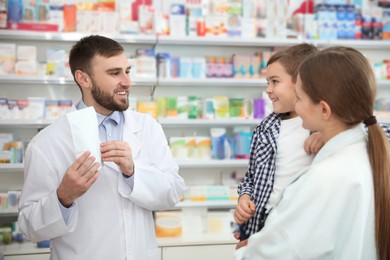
pixel 246 185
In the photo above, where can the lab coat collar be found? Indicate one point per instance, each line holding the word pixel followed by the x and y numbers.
pixel 341 140
pixel 130 129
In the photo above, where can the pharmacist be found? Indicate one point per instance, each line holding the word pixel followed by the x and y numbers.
pixel 98 204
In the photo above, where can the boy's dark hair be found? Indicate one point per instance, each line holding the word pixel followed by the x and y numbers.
pixel 292 57
pixel 87 48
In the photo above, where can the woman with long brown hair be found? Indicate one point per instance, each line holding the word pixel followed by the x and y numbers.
pixel 339 207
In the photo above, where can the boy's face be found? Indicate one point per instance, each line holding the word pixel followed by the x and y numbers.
pixel 111 83
pixel 281 89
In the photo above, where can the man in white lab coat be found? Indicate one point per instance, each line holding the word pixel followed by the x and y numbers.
pixel 91 207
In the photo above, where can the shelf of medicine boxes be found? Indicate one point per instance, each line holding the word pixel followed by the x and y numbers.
pixel 231 82
pixel 264 42
pixel 190 40
pixel 25 123
pixel 173 122
pixel 41 123
pixel 10 167
pixel 27 80
pixel 73 36
pixel 212 82
pixel 8 212
pixel 226 163
pixel 5 168
pixel 216 204
pixel 18 167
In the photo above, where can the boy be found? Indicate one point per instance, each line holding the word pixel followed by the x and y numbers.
pixel 278 144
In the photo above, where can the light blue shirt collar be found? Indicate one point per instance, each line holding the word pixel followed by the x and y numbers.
pixel 116 116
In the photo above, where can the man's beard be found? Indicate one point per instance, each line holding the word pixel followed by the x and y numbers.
pixel 105 100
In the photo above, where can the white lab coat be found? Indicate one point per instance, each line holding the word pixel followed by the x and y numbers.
pixel 327 212
pixel 110 221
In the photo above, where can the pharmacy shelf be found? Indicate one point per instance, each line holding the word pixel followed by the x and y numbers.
pixel 51 80
pixel 213 82
pixel 216 204
pixel 212 163
pixel 18 167
pixel 41 123
pixel 264 42
pixel 225 41
pixel 194 239
pixel 12 212
pixel 176 122
pixel 26 80
pixel 197 239
pixel 358 44
pixel 383 83
pixel 382 116
pixel 26 248
pixel 73 36
pixel 24 123
pixel 11 167
pixel 190 40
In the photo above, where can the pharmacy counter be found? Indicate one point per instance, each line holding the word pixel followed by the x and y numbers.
pixel 189 247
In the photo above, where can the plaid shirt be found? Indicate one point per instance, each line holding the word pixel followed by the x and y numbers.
pixel 259 178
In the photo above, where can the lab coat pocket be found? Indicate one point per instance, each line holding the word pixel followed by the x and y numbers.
pixel 145 235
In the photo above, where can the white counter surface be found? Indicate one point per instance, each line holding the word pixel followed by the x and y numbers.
pixel 186 240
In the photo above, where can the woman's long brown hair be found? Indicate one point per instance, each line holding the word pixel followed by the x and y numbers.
pixel 343 78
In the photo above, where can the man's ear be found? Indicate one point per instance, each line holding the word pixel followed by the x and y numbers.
pixel 326 111
pixel 82 79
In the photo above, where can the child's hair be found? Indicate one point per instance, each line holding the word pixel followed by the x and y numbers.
pixel 292 57
pixel 343 78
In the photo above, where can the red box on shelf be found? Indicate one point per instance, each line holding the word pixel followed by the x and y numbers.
pixel 42 27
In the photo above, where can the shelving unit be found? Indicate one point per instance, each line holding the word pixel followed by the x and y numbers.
pixel 194 171
pixel 11 167
pixel 212 163
pixel 208 82
pixel 9 212
pixel 262 42
pixel 208 204
pixel 51 80
pixel 18 167
pixel 180 85
pixel 72 36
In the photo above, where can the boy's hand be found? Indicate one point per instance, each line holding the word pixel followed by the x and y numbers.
pixel 244 209
pixel 236 235
pixel 242 243
pixel 313 143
